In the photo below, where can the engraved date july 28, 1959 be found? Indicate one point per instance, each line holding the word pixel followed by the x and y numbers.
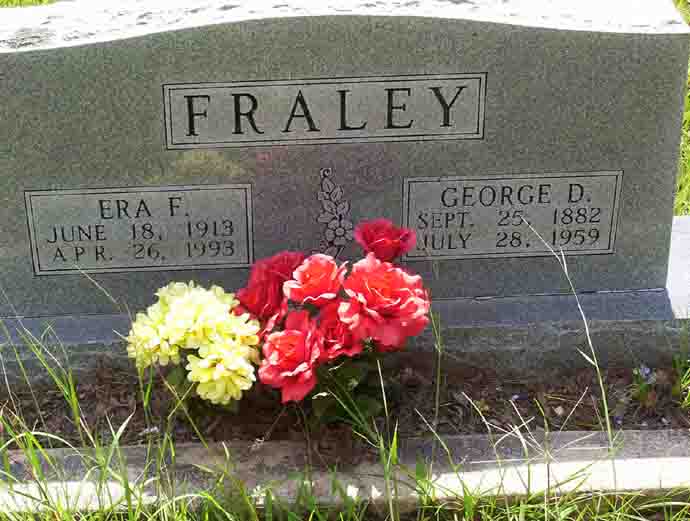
pixel 527 215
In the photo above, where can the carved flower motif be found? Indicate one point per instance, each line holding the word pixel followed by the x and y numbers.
pixel 334 214
pixel 339 231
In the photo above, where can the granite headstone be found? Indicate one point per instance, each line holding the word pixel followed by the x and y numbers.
pixel 144 142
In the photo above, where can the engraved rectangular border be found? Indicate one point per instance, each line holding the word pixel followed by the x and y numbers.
pixel 29 195
pixel 477 134
pixel 615 211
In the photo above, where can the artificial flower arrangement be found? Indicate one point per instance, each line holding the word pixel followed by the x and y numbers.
pixel 298 317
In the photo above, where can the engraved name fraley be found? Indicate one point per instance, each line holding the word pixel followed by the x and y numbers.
pixel 140 229
pixel 327 110
pixel 513 216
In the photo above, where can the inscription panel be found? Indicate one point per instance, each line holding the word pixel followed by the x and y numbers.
pixel 512 216
pixel 325 110
pixel 140 229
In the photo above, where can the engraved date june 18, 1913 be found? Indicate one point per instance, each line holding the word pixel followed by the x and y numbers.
pixel 135 229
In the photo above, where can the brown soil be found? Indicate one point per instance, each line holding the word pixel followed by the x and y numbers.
pixel 470 401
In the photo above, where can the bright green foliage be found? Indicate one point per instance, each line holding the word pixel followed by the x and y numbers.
pixel 684 8
pixel 681 363
pixel 682 206
pixel 23 3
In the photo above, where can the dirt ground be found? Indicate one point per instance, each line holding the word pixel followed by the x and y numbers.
pixel 471 401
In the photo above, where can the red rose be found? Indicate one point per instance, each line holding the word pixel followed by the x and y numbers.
pixel 316 281
pixel 385 240
pixel 291 356
pixel 337 337
pixel 263 296
pixel 387 304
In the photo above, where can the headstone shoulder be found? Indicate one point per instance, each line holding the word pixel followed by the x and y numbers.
pixel 80 22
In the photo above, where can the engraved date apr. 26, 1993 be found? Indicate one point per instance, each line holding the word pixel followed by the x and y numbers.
pixel 139 229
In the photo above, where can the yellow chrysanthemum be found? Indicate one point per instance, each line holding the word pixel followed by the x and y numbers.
pixel 224 369
pixel 185 317
pixel 145 343
pixel 174 290
pixel 198 316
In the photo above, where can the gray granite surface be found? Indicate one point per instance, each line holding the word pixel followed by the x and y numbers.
pixel 85 126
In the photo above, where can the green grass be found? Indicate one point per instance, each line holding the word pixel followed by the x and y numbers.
pixel 682 205
pixel 227 499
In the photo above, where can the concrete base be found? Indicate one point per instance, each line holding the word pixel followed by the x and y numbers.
pixel 654 462
pixel 524 335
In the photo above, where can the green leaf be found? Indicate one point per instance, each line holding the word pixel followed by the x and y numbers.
pixel 322 403
pixel 420 471
pixel 393 451
pixel 177 377
pixel 268 506
pixel 368 405
pixel 677 389
pixel 233 406
pixel 351 373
